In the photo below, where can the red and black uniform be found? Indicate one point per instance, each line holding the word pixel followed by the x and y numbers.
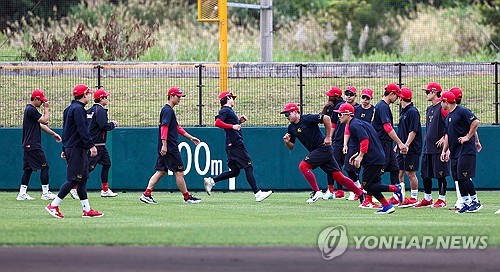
pixel 383 123
pixel 34 156
pixel 169 129
pixel 409 121
pixel 337 139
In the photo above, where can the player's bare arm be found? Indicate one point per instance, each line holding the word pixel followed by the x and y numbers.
pixel 472 132
pixel 51 132
pixel 328 130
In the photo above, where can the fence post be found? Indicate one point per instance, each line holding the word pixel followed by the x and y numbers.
pixel 200 95
pixel 98 67
pixel 400 73
pixel 496 91
pixel 301 87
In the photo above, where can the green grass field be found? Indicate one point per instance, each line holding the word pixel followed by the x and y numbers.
pixel 228 219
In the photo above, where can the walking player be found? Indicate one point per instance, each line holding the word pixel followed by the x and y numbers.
pixel 306 129
pixel 34 157
pixel 237 155
pixel 169 157
pixel 76 143
pixel 99 127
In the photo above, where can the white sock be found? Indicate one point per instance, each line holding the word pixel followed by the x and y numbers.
pixel 414 193
pixel 442 197
pixel 428 197
pixel 85 205
pixel 56 202
pixel 23 189
pixel 457 190
pixel 466 199
pixel 45 189
pixel 357 183
pixel 473 198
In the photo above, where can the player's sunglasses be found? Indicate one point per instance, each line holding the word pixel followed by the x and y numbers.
pixel 287 114
pixel 342 114
pixel 349 93
pixel 365 97
pixel 428 92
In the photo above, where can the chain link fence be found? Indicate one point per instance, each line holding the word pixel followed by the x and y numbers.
pixel 138 90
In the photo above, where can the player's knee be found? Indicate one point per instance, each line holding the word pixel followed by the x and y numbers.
pixel 304 166
pixel 337 175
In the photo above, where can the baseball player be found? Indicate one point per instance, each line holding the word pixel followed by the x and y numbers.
pixel 410 132
pixel 363 137
pixel 237 155
pixel 383 124
pixel 169 157
pixel 461 125
pixel 76 143
pixel 432 166
pixel 306 129
pixel 339 143
pixel 34 157
pixel 365 110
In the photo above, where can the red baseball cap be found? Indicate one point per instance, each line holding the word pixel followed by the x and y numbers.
pixel 405 93
pixel 457 92
pixel 433 86
pixel 81 89
pixel 368 92
pixel 176 91
pixel 351 88
pixel 100 93
pixel 334 92
pixel 226 94
pixel 393 88
pixel 447 97
pixel 40 95
pixel 345 108
pixel 290 107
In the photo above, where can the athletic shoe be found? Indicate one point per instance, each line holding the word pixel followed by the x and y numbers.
pixel 393 201
pixel 314 197
pixel 147 199
pixel 408 202
pixel 464 208
pixel 386 209
pixel 54 211
pixel 424 203
pixel 439 204
pixel 369 205
pixel 48 196
pixel 497 212
pixel 74 194
pixel 400 192
pixel 92 213
pixel 352 196
pixel 192 200
pixel 458 205
pixel 108 193
pixel 208 183
pixel 24 197
pixel 475 206
pixel 260 196
pixel 328 195
pixel 339 194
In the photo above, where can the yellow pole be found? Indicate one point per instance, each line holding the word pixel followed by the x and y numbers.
pixel 223 44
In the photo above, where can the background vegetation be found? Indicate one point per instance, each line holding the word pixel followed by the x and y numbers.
pixel 316 30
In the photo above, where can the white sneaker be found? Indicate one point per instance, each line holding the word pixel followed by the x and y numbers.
pixel 328 195
pixel 24 197
pixel 352 196
pixel 74 194
pixel 314 197
pixel 108 193
pixel 260 196
pixel 497 212
pixel 208 183
pixel 48 196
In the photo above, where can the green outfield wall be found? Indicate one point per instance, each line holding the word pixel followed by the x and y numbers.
pixel 133 154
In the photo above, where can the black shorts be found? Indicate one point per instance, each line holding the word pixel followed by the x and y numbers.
pixel 463 167
pixel 370 175
pixel 238 156
pixel 408 162
pixel 102 158
pixel 322 157
pixel 34 160
pixel 339 156
pixel 433 167
pixel 77 163
pixel 171 161
pixel 391 164
pixel 347 166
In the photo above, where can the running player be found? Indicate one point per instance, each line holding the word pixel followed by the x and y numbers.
pixel 339 143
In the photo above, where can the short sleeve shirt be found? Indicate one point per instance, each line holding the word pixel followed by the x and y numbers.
pixel 457 125
pixel 307 131
pixel 228 116
pixel 168 118
pixel 32 135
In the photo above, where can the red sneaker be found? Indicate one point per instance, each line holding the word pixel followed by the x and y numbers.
pixel 339 194
pixel 439 204
pixel 394 201
pixel 92 213
pixel 424 203
pixel 369 205
pixel 54 211
pixel 408 202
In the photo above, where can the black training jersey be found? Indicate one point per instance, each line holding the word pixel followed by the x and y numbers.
pixel 97 116
pixel 364 114
pixel 410 121
pixel 307 131
pixel 168 118
pixel 458 125
pixel 381 116
pixel 75 127
pixel 228 116
pixel 435 127
pixel 32 135
pixel 360 130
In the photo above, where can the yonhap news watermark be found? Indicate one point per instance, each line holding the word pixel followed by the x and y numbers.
pixel 334 241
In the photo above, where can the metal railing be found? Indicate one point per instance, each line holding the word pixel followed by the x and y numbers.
pixel 138 90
